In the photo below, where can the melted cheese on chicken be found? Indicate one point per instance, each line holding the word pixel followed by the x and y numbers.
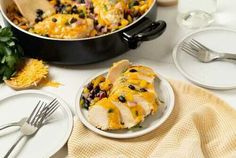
pixel 110 12
pixel 133 97
pixel 64 26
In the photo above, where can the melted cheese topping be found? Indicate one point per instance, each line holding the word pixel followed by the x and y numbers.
pixel 113 113
pixel 61 26
pixel 121 97
pixel 110 12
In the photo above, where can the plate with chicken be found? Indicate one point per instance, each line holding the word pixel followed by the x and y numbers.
pixel 126 101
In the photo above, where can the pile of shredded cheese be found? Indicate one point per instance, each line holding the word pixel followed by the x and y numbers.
pixel 30 74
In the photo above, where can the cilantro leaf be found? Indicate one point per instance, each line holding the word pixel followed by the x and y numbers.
pixel 10 53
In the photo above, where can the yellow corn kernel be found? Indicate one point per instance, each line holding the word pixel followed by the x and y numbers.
pixel 136 8
pixel 98 80
pixel 143 8
pixel 141 2
pixel 93 33
pixel 124 22
pixel 143 84
pixel 86 91
pixel 107 22
pixel 105 85
pixel 96 99
pixel 130 18
pixel 100 21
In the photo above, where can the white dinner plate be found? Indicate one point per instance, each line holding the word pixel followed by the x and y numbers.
pixel 50 137
pixel 213 75
pixel 150 123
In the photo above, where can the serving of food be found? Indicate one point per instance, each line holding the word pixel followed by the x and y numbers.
pixel 126 97
pixel 81 18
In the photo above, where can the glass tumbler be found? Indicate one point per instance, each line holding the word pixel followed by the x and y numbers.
pixel 196 13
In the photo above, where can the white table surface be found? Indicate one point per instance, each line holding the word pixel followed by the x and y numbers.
pixel 156 53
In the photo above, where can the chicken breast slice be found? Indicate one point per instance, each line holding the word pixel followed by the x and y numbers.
pixel 67 26
pixel 98 116
pixel 117 69
pixel 105 115
pixel 147 107
pixel 126 115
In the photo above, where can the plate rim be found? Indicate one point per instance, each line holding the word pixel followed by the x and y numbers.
pixel 65 106
pixel 82 118
pixel 185 74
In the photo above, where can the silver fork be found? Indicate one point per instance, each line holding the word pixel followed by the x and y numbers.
pixel 35 121
pixel 53 105
pixel 203 53
pixel 19 123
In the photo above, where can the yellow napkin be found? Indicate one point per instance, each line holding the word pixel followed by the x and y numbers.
pixel 201 125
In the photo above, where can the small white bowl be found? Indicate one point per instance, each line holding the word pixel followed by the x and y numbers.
pixel 150 123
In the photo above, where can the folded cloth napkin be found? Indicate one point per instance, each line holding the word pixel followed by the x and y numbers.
pixel 201 125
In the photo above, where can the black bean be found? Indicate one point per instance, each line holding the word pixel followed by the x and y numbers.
pixel 73 20
pixel 86 103
pixel 38 19
pixel 96 89
pixel 74 10
pixel 143 90
pixel 82 15
pixel 131 87
pixel 67 23
pixel 91 8
pixel 59 8
pixel 90 86
pixel 122 99
pixel 39 12
pixel 58 1
pixel 80 1
pixel 54 20
pixel 132 70
pixel 95 22
pixel 91 95
pixel 136 3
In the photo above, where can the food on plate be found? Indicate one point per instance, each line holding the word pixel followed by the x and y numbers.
pixel 10 54
pixel 82 18
pixel 122 99
pixel 30 74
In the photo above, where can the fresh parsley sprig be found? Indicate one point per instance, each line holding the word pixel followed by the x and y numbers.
pixel 10 53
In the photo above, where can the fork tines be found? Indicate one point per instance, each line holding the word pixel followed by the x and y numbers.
pixel 35 116
pixel 188 49
pixel 198 45
pixel 52 107
pixel 42 111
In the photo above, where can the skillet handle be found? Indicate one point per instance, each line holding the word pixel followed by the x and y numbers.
pixel 145 30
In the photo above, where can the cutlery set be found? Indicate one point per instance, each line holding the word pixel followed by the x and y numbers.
pixel 30 125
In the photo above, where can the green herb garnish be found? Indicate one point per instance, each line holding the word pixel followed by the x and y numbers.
pixel 105 7
pixel 110 110
pixel 10 53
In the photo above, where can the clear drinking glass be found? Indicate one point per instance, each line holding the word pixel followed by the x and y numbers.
pixel 196 13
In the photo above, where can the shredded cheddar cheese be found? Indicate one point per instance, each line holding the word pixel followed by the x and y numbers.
pixel 30 74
